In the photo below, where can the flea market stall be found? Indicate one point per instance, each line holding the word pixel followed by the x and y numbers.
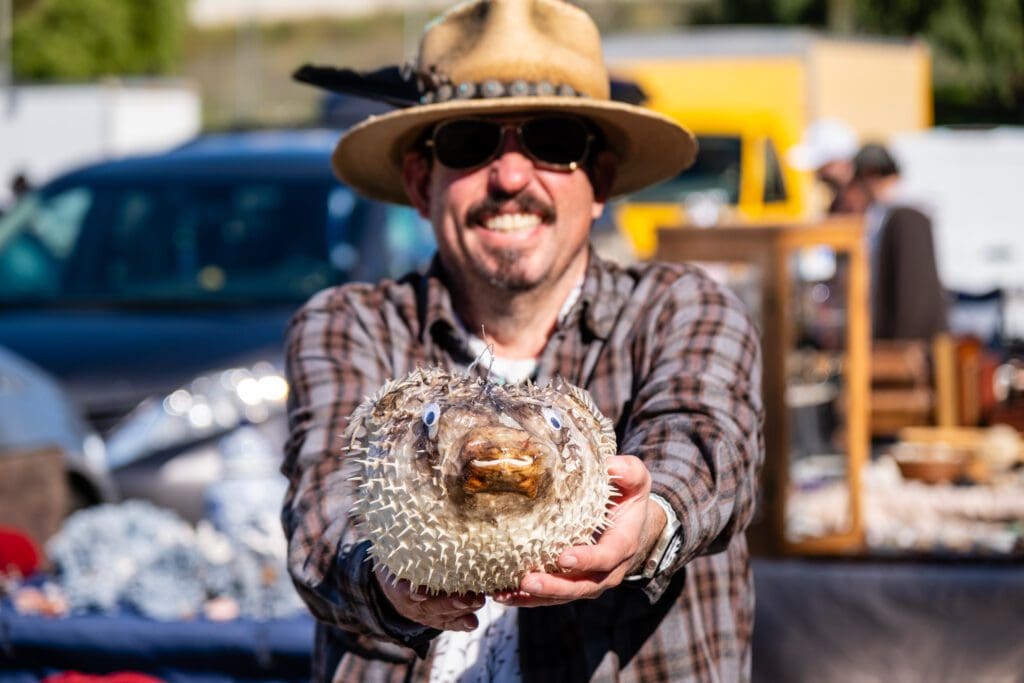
pixel 890 532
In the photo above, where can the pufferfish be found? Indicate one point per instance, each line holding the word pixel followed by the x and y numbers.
pixel 463 485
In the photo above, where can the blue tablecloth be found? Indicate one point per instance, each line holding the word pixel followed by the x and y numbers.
pixel 183 651
pixel 834 621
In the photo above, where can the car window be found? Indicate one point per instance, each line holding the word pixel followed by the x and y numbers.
pixel 716 168
pixel 211 240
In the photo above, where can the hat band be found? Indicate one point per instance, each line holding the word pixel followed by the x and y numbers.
pixel 492 89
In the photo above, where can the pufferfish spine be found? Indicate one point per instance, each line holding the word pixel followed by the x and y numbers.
pixel 462 485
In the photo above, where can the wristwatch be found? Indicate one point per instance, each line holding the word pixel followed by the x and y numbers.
pixel 665 549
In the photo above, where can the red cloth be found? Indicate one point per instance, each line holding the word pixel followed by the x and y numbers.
pixel 119 677
pixel 17 551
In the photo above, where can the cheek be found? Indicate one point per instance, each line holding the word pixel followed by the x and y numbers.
pixel 577 202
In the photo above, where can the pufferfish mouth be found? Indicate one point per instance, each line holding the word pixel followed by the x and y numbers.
pixel 511 463
pixel 501 460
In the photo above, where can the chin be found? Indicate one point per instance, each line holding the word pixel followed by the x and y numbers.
pixel 507 271
pixel 512 282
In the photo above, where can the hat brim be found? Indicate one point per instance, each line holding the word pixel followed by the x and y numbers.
pixel 650 147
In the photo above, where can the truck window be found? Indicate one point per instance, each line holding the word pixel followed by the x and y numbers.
pixel 37 239
pixel 717 167
pixel 774 183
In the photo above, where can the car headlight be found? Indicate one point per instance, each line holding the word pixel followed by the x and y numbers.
pixel 211 404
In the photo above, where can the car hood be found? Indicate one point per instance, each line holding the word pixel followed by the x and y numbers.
pixel 109 360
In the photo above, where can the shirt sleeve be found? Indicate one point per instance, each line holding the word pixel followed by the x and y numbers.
pixel 332 364
pixel 697 416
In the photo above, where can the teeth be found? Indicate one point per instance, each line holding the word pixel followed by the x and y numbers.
pixel 514 462
pixel 512 222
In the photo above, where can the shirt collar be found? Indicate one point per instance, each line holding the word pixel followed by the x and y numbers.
pixel 436 300
pixel 600 301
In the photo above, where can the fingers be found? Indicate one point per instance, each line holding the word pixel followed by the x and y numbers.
pixel 615 548
pixel 521 599
pixel 441 611
pixel 629 475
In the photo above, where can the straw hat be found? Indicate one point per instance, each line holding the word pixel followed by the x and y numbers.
pixel 488 57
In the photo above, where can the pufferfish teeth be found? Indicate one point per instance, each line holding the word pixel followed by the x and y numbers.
pixel 498 462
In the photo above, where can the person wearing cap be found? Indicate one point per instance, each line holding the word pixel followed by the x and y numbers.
pixel 827 149
pixel 908 300
pixel 511 152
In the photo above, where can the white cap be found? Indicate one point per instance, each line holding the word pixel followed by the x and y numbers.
pixel 825 140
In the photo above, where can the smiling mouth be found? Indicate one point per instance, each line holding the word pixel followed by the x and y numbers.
pixel 512 222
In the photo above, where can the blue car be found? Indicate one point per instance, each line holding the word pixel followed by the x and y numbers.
pixel 157 289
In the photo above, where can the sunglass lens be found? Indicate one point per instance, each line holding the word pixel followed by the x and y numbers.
pixel 557 140
pixel 465 143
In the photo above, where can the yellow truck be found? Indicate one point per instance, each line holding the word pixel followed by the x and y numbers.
pixel 748 95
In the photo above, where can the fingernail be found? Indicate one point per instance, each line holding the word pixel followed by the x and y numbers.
pixel 567 562
pixel 417 597
pixel 532 586
pixel 459 604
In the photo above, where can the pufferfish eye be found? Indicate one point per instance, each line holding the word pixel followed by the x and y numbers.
pixel 431 416
pixel 552 417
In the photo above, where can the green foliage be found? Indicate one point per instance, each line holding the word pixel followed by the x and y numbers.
pixel 84 39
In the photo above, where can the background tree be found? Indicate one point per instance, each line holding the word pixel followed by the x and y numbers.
pixel 85 39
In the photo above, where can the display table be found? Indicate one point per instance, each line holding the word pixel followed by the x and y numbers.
pixel 178 652
pixel 816 620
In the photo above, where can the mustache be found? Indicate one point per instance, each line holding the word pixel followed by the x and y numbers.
pixel 523 202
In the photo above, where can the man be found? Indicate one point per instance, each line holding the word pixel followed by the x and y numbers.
pixel 511 154
pixel 827 149
pixel 908 300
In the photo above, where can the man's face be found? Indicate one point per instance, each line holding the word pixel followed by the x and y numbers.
pixel 836 174
pixel 509 224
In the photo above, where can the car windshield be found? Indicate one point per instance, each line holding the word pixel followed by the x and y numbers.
pixel 201 241
pixel 716 168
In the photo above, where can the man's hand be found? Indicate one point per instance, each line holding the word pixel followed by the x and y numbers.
pixel 590 570
pixel 445 612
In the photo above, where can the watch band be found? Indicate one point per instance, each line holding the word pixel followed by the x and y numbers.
pixel 665 548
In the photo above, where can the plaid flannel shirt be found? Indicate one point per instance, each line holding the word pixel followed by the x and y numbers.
pixel 668 355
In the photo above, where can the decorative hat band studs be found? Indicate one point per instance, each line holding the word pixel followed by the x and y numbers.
pixel 491 89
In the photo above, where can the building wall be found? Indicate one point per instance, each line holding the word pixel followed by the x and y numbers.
pixel 46 130
pixel 211 13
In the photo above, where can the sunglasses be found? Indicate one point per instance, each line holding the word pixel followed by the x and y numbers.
pixel 559 143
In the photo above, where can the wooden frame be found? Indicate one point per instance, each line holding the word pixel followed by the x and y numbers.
pixel 769 249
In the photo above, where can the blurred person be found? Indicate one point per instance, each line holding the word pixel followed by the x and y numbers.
pixel 511 152
pixel 827 149
pixel 20 186
pixel 908 300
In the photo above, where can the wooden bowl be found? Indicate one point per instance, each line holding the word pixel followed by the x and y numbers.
pixel 931 463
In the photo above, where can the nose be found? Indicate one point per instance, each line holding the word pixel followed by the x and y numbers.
pixel 511 170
